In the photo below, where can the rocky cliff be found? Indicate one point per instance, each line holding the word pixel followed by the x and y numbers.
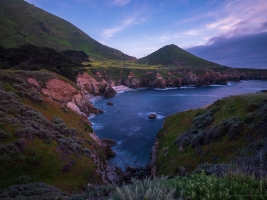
pixel 158 78
pixel 42 140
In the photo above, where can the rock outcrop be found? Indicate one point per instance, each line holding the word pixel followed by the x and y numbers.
pixel 63 92
pixel 109 92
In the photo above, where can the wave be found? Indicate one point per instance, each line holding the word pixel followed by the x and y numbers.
pixel 97 126
pixel 216 85
pixel 188 87
pixel 190 95
pixel 96 98
pixel 168 88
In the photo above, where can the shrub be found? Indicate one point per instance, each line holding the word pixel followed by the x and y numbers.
pixel 28 132
pixel 57 120
pixel 32 191
pixel 146 189
pixel 215 169
pixel 21 144
pixel 4 135
pixel 201 186
pixel 203 120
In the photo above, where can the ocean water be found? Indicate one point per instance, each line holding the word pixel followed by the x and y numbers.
pixel 127 120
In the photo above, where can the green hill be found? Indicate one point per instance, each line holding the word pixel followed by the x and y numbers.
pixel 229 133
pixel 173 55
pixel 23 23
pixel 42 140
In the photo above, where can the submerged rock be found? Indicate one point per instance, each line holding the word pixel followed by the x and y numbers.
pixel 152 116
pixel 110 104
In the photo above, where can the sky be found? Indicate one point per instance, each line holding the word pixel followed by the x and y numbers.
pixel 230 32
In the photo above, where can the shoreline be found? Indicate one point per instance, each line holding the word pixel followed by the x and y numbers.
pixel 121 88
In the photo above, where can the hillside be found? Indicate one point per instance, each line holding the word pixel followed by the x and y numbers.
pixel 33 58
pixel 23 23
pixel 174 56
pixel 42 139
pixel 229 134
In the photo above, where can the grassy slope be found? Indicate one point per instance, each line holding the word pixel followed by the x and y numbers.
pixel 53 156
pixel 173 55
pixel 23 23
pixel 236 122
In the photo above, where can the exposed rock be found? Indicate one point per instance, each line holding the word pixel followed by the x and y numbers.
pixel 90 85
pixel 63 92
pixel 131 169
pixel 110 103
pixel 152 116
pixel 109 141
pixel 109 91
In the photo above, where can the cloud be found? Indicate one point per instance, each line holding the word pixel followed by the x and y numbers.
pixel 121 2
pixel 246 51
pixel 191 32
pixel 136 18
pixel 164 38
pixel 110 32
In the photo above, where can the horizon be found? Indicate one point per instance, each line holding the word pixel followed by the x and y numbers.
pixel 231 33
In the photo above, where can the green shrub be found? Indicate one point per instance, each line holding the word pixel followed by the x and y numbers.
pixel 146 189
pixel 32 191
pixel 201 186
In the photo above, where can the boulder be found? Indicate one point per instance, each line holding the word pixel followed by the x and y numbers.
pixel 109 91
pixel 131 169
pixel 152 116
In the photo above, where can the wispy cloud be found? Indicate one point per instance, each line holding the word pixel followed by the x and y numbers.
pixel 230 19
pixel 136 18
pixel 240 17
pixel 164 38
pixel 192 32
pixel 121 2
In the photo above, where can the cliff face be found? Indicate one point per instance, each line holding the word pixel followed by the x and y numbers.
pixel 44 141
pixel 63 92
pixel 90 85
pixel 221 134
pixel 155 79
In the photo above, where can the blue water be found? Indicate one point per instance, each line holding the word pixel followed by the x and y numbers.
pixel 127 120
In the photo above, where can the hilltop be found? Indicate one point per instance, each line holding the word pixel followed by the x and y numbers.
pixel 23 23
pixel 230 134
pixel 172 55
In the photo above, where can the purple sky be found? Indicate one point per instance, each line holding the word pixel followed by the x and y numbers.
pixel 232 33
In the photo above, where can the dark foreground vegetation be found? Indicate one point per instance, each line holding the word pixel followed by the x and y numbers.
pixel 33 58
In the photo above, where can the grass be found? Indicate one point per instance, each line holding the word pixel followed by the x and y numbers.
pixel 56 158
pixel 232 186
pixel 24 23
pixel 221 150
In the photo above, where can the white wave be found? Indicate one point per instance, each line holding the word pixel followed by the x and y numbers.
pixel 97 126
pixel 190 95
pixel 216 85
pixel 96 98
pixel 168 88
pixel 188 87
pixel 91 116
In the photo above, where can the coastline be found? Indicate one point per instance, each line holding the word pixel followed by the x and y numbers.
pixel 121 88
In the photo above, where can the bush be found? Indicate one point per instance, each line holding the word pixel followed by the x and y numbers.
pixel 201 186
pixel 4 135
pixel 215 169
pixel 32 191
pixel 146 189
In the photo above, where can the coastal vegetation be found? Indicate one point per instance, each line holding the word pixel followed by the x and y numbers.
pixel 23 23
pixel 41 140
pixel 48 149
